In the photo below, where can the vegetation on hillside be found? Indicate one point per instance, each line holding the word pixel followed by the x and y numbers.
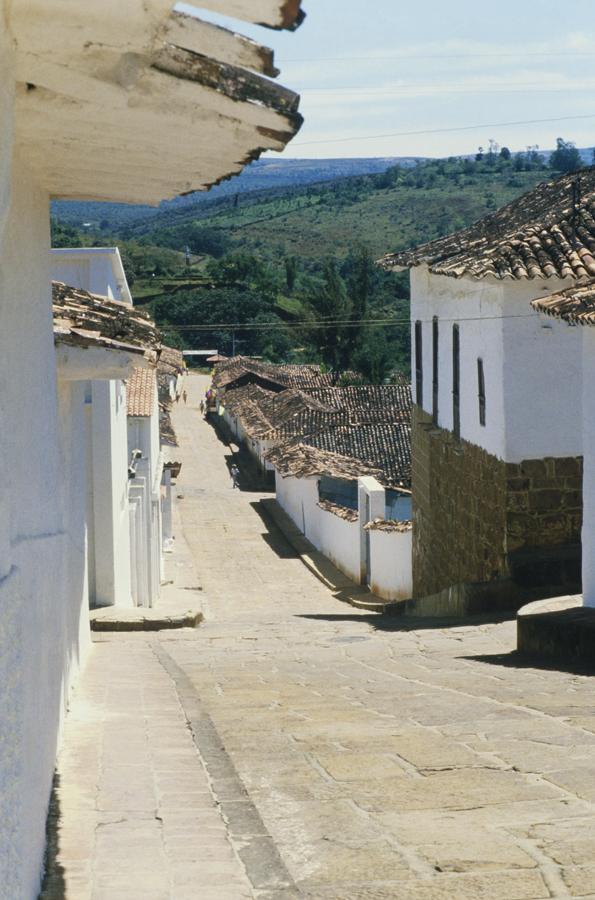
pixel 291 269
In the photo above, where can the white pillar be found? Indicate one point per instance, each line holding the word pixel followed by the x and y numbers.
pixel 588 536
pixel 110 495
pixel 371 505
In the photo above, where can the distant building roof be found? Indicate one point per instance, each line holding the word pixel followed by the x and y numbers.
pixel 171 361
pixel 277 377
pixel 385 447
pixel 302 460
pixel 576 305
pixel 140 392
pixel 547 233
pixel 82 319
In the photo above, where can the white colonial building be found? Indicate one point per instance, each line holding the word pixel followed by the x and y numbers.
pixel 573 307
pixel 497 438
pixel 120 101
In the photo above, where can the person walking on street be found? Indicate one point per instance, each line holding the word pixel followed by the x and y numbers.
pixel 185 396
pixel 235 476
pixel 202 407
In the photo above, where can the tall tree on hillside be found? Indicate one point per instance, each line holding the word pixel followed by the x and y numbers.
pixel 565 157
pixel 327 317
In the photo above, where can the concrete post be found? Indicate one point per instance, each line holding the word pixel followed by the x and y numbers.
pixel 371 503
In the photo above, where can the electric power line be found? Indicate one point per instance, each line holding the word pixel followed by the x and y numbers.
pixel 406 57
pixel 373 137
pixel 339 323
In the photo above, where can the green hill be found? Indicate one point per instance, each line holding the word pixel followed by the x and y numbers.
pixel 268 270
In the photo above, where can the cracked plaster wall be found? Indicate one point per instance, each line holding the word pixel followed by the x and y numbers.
pixel 43 630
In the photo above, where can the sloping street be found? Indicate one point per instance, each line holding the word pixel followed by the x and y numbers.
pixel 332 753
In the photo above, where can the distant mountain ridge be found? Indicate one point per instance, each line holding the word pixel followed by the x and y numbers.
pixel 260 175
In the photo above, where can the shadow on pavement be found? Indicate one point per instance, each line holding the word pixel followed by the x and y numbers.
pixel 54 885
pixel 517 660
pixel 389 621
pixel 273 536
pixel 251 479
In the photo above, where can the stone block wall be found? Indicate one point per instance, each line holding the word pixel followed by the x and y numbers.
pixel 483 526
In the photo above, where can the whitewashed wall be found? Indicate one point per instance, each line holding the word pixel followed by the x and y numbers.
pixel 145 500
pixel 391 559
pixel 43 626
pixel 587 333
pixel 339 541
pixel 112 578
pixel 342 541
pixel 95 269
pixel 532 370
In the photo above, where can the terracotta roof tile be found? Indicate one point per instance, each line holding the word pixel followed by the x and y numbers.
pixel 301 461
pixel 576 305
pixel 140 392
pixel 549 232
pixel 171 361
pixel 82 319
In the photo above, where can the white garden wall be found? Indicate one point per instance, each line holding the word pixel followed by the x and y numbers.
pixel 391 558
pixel 531 365
pixel 343 541
pixel 339 541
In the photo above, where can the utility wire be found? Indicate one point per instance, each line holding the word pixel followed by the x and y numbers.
pixel 501 86
pixel 405 57
pixel 374 137
pixel 331 323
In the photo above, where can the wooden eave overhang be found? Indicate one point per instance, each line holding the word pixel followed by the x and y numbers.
pixel 138 102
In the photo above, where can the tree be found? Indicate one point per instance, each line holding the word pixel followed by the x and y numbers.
pixel 328 312
pixel 565 157
pixel 291 266
pixel 505 153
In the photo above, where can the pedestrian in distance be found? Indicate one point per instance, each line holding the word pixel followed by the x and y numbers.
pixel 202 407
pixel 235 476
pixel 185 397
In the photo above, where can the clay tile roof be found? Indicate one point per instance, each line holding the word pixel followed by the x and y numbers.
pixel 302 460
pixel 385 447
pixel 140 392
pixel 576 305
pixel 549 232
pixel 171 361
pixel 240 369
pixel 83 320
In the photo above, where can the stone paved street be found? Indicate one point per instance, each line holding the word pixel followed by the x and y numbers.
pixel 333 754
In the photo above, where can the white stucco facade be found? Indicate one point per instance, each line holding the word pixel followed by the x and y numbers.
pixel 531 366
pixel 98 270
pixel 391 563
pixel 144 491
pixel 381 559
pixel 587 334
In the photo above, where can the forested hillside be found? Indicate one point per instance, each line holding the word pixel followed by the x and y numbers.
pixel 291 268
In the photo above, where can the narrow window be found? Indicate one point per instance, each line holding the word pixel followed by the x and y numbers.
pixel 456 382
pixel 481 392
pixel 435 370
pixel 419 373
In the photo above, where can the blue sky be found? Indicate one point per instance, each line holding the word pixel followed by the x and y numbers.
pixel 387 67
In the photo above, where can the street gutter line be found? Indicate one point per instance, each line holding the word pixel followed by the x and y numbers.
pixel 254 845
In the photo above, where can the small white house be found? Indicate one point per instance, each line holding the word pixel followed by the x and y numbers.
pixel 497 441
pixel 351 529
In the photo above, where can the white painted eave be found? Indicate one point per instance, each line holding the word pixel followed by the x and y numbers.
pixel 129 102
pixel 97 363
